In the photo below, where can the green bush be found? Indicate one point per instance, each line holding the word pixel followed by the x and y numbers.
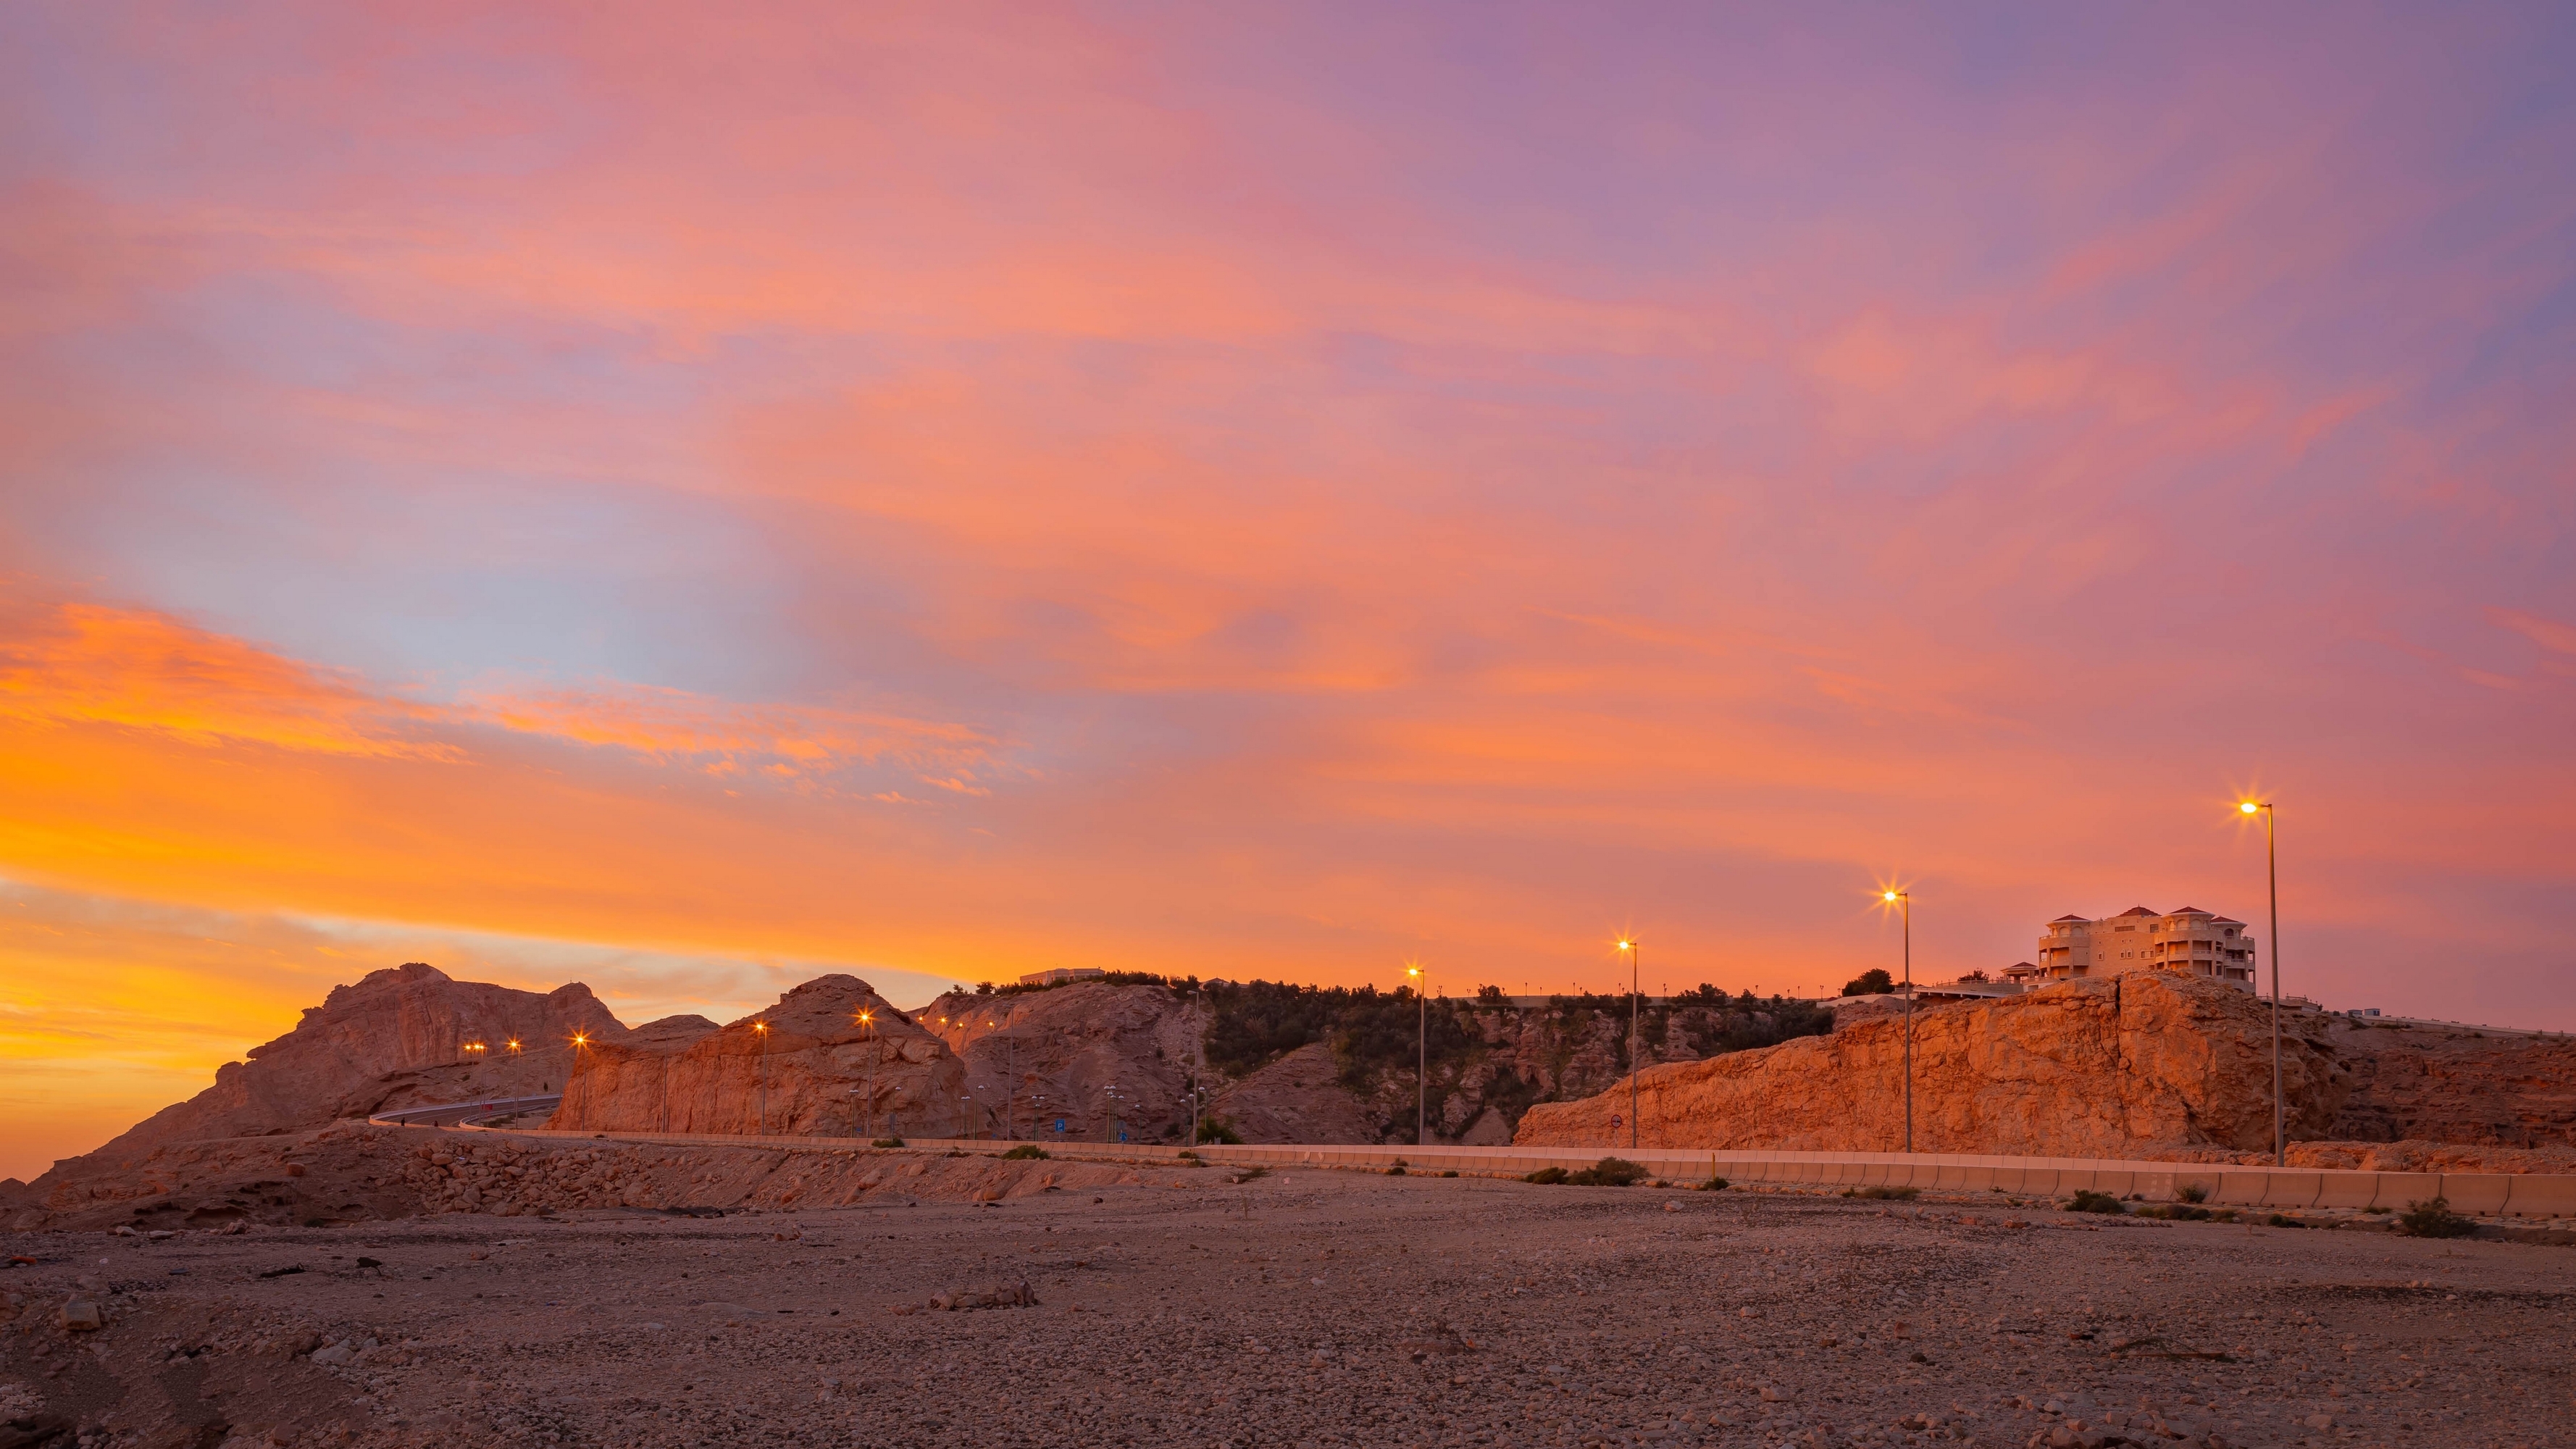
pixel 1884 1194
pixel 1217 1129
pixel 2181 1212
pixel 2087 1200
pixel 1546 1175
pixel 1609 1172
pixel 2193 1192
pixel 2433 1218
pixel 887 1142
pixel 1873 982
pixel 2282 1220
pixel 1024 1152
pixel 1714 1184
pixel 1452 1172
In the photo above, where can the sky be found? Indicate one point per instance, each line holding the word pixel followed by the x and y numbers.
pixel 688 498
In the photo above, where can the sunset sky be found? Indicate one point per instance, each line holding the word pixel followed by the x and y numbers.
pixel 685 498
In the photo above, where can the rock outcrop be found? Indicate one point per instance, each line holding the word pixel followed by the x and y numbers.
pixel 1101 1058
pixel 2455 1084
pixel 2101 1068
pixel 805 1067
pixel 398 1037
pixel 1298 1098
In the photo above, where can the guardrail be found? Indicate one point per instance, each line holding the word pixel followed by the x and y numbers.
pixel 462 1114
pixel 2480 1193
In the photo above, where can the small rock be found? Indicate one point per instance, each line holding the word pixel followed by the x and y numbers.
pixel 1774 1394
pixel 81 1315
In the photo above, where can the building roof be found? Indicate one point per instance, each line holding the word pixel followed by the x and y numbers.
pixel 2138 911
pixel 2066 918
pixel 2188 911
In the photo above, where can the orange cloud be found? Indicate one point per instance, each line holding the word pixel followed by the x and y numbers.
pixel 83 664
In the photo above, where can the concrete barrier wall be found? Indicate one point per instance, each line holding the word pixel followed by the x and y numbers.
pixel 2223 1186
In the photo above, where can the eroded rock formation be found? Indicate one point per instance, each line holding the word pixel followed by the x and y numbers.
pixel 813 1072
pixel 2088 1069
pixel 395 1038
pixel 2455 1084
pixel 1101 1058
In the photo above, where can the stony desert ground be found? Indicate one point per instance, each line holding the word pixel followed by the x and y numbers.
pixel 1182 1306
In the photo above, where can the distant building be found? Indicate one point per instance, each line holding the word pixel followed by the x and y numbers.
pixel 2139 939
pixel 1061 975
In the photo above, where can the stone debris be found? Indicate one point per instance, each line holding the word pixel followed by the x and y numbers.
pixel 1014 1294
pixel 81 1315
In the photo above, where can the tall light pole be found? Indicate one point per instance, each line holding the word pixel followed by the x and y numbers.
pixel 761 1029
pixel 1904 902
pixel 1635 1040
pixel 1421 1059
pixel 2272 878
pixel 868 1031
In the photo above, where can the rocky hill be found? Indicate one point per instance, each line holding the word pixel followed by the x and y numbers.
pixel 395 1038
pixel 811 1072
pixel 1285 1063
pixel 1101 1057
pixel 2089 1069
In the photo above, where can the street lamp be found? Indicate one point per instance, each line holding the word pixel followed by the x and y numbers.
pixel 2272 878
pixel 868 1028
pixel 761 1029
pixel 1904 902
pixel 1421 1059
pixel 1635 1038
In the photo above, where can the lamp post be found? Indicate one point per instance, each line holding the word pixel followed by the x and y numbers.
pixel 868 1030
pixel 2272 880
pixel 1904 902
pixel 1421 1059
pixel 1198 1010
pixel 1010 1085
pixel 1634 1039
pixel 761 1029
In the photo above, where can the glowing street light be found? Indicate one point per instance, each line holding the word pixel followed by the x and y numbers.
pixel 1635 1038
pixel 761 1028
pixel 1421 1058
pixel 2272 877
pixel 1904 902
pixel 868 1028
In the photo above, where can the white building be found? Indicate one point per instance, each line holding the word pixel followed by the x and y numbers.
pixel 2139 939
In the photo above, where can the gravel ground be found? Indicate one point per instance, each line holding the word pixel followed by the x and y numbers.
pixel 1303 1307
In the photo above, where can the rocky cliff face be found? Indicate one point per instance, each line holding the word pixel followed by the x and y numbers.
pixel 395 1038
pixel 2456 1085
pixel 1101 1058
pixel 813 1072
pixel 2088 1069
